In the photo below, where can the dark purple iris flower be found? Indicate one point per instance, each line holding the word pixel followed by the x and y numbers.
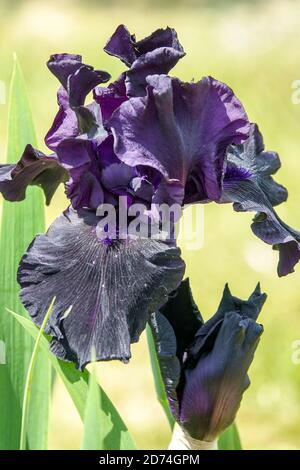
pixel 205 365
pixel 248 183
pixel 150 138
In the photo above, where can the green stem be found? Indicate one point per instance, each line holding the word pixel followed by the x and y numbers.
pixel 28 383
pixel 159 384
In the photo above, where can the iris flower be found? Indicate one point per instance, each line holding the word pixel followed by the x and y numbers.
pixel 204 365
pixel 152 139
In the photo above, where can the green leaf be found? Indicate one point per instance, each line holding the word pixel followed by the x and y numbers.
pixel 158 381
pixel 20 223
pixel 230 439
pixel 96 423
pixel 77 384
pixel 28 384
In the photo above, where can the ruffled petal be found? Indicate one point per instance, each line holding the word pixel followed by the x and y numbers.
pixel 105 293
pixel 77 78
pixel 155 54
pixel 34 168
pixel 64 65
pixel 124 46
pixel 82 82
pixel 160 38
pixel 249 185
pixel 159 61
pixel 121 45
pixel 191 126
pixel 65 124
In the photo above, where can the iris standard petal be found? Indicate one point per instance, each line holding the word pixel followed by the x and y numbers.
pixel 191 126
pixel 77 78
pixel 79 157
pixel 155 54
pixel 34 168
pixel 64 65
pixel 105 293
pixel 65 124
pixel 111 97
pixel 158 61
pixel 121 45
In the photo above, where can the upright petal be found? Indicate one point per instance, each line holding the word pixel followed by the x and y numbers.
pixel 158 61
pixel 79 157
pixel 77 78
pixel 64 65
pixel 65 124
pixel 121 45
pixel 111 97
pixel 181 129
pixel 155 54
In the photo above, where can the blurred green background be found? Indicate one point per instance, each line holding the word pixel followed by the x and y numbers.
pixel 254 47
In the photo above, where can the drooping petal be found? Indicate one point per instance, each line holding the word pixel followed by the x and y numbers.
pixel 191 126
pixel 34 168
pixel 105 293
pixel 251 161
pixel 249 185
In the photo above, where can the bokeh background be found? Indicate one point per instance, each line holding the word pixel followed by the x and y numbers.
pixel 254 47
